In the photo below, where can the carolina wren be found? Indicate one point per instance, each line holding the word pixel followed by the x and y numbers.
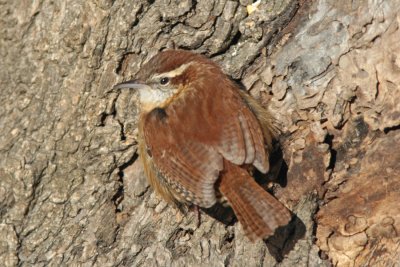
pixel 198 133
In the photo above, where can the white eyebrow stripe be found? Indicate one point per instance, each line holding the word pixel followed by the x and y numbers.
pixel 173 73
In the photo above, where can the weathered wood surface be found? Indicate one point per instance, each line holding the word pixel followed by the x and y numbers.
pixel 72 191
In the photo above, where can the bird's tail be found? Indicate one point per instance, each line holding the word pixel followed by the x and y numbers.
pixel 258 212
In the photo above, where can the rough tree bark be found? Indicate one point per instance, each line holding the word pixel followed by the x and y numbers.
pixel 73 193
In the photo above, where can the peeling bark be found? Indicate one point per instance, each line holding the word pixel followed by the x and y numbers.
pixel 73 192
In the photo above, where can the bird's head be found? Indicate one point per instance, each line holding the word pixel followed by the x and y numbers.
pixel 167 74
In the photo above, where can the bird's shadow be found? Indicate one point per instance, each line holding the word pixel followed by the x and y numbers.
pixel 285 237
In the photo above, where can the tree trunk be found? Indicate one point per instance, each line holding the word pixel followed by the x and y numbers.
pixel 72 191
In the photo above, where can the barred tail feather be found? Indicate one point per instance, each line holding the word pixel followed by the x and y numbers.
pixel 258 212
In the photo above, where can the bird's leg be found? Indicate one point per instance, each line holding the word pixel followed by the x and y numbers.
pixel 196 210
pixel 276 164
pixel 275 170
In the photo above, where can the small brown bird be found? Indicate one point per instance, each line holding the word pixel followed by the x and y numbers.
pixel 198 135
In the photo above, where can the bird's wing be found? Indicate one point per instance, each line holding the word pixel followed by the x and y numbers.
pixel 190 167
pixel 241 138
pixel 189 143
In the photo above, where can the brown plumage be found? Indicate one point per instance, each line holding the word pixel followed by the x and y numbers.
pixel 198 131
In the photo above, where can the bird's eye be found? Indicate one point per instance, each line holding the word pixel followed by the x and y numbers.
pixel 164 80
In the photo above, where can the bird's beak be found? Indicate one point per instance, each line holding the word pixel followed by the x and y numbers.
pixel 133 84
